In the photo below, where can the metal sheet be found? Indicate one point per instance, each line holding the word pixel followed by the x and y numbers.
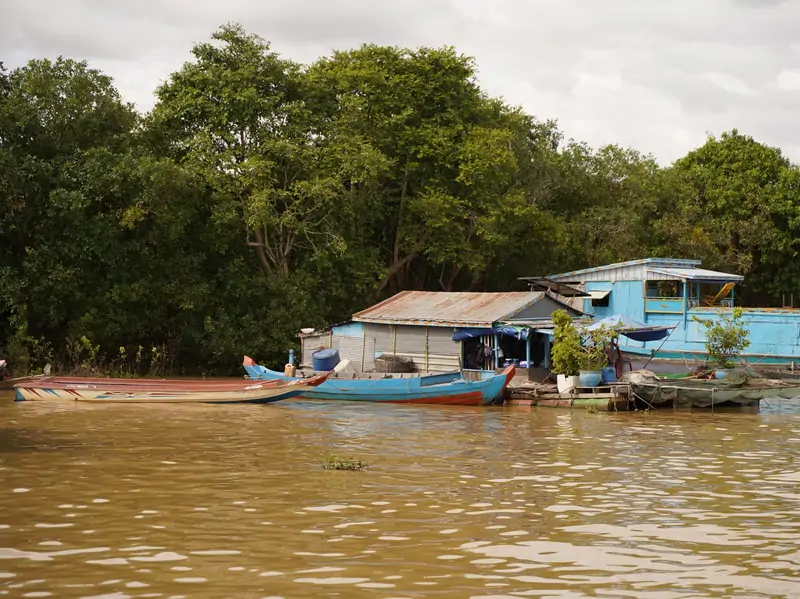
pixel 440 341
pixel 545 284
pixel 350 349
pixel 383 335
pixel 410 340
pixel 601 273
pixel 696 274
pixel 311 343
pixel 445 309
pixel 599 295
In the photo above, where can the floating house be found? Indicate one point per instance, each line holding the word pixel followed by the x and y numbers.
pixel 444 331
pixel 676 293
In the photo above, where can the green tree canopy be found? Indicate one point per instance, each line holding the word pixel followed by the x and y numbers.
pixel 261 196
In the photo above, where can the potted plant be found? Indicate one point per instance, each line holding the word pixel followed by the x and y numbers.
pixel 726 338
pixel 595 357
pixel 565 361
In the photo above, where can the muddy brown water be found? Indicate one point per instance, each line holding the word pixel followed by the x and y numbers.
pixel 110 501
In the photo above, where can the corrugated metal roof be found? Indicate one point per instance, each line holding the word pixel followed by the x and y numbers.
pixel 660 262
pixel 440 308
pixel 697 274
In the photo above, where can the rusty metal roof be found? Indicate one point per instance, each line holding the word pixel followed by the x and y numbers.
pixel 444 309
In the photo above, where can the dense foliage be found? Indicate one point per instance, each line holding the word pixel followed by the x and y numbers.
pixel 260 196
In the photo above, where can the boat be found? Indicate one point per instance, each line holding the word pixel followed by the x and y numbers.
pixel 446 388
pixel 111 390
pixel 738 388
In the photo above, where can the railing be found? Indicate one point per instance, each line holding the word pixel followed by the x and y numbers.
pixel 696 303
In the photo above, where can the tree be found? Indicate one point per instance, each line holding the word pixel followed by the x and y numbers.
pixel 237 116
pixel 745 195
pixel 455 197
pixel 59 120
pixel 261 196
pixel 568 354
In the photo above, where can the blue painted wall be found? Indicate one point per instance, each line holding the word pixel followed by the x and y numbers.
pixel 352 329
pixel 626 298
pixel 773 332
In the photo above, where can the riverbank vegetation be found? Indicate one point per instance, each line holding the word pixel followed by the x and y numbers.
pixel 260 196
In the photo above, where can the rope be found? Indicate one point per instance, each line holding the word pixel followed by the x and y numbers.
pixel 652 407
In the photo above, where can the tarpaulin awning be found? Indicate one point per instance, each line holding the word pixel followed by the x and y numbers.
pixel 520 333
pixel 632 329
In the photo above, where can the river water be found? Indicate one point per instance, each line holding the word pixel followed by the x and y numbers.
pixel 110 501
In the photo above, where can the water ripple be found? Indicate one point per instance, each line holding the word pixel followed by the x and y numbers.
pixel 210 501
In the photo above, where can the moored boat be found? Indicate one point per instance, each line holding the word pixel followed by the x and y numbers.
pixel 163 391
pixel 446 388
pixel 735 389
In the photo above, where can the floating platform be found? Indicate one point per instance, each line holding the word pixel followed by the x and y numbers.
pixel 615 397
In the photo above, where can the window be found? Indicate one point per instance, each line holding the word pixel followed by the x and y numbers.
pixel 665 289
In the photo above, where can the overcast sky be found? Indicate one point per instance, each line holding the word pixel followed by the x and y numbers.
pixel 656 75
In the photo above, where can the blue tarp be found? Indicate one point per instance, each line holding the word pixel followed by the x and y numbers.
pixel 517 333
pixel 632 329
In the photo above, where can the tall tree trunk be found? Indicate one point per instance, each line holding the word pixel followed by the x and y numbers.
pixel 391 275
pixel 261 253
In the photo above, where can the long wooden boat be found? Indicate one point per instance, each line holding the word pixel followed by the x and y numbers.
pixel 446 388
pixel 163 391
pixel 736 389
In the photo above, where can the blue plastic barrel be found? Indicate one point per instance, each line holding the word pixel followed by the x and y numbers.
pixel 609 374
pixel 324 360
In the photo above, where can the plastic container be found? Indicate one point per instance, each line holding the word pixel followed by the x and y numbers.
pixel 324 360
pixel 609 374
pixel 590 378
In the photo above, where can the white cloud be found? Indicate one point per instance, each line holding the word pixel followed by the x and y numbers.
pixel 656 76
pixel 789 80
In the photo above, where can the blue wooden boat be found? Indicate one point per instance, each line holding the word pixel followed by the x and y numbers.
pixel 446 388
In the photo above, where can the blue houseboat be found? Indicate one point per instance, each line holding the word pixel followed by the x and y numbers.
pixel 671 293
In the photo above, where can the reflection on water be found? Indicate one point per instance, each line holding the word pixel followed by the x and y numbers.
pixel 109 501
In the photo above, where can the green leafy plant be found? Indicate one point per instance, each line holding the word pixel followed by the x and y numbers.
pixel 567 353
pixel 726 337
pixel 332 462
pixel 595 352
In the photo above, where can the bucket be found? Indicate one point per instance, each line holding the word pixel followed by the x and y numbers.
pixel 324 360
pixel 609 374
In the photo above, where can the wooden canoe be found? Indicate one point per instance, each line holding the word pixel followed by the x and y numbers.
pixel 162 391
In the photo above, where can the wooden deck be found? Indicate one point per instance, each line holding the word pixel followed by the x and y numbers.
pixel 612 398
